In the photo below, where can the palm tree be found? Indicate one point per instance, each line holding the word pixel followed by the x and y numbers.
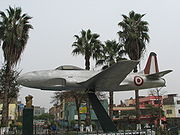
pixel 14 30
pixel 88 45
pixel 112 52
pixel 134 36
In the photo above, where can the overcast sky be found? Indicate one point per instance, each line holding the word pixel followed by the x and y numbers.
pixel 56 21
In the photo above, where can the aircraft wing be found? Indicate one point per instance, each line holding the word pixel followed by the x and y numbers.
pixel 110 78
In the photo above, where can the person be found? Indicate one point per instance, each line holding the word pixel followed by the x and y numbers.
pixel 53 128
pixel 82 128
pixel 87 128
pixel 163 122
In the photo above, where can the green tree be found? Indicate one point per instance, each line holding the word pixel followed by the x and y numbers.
pixel 134 36
pixel 45 116
pixel 14 30
pixel 158 93
pixel 88 45
pixel 14 86
pixel 111 53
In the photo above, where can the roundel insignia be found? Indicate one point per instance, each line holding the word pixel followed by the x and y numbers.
pixel 138 80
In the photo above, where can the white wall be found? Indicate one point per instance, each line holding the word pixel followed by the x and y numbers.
pixel 177 106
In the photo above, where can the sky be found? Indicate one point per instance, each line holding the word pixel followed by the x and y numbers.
pixel 56 22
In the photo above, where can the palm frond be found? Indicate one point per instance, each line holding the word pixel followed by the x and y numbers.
pixel 15 28
pixel 87 44
pixel 134 34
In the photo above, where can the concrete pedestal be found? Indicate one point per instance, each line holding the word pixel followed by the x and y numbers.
pixel 27 121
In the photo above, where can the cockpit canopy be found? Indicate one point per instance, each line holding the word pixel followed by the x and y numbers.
pixel 68 67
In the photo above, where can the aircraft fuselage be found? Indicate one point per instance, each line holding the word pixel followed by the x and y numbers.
pixel 58 80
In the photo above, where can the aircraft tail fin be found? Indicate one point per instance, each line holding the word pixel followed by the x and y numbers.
pixel 152 64
pixel 152 70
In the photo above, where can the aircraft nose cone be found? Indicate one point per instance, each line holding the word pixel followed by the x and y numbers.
pixel 24 79
pixel 19 80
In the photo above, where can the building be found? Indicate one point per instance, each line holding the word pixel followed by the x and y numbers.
pixel 66 113
pixel 38 110
pixel 125 112
pixel 71 117
pixel 13 110
pixel 177 106
pixel 152 108
pixel 57 112
pixel 171 106
pixel 52 110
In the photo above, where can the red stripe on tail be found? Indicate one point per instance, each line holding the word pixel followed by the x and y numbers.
pixel 152 64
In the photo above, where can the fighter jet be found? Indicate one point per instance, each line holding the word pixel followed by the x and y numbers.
pixel 118 77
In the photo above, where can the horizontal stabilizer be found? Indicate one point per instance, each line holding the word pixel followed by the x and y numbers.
pixel 158 75
pixel 111 77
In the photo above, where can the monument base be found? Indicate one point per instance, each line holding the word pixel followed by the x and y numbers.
pixel 27 128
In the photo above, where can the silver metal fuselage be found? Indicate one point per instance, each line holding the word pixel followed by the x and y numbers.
pixel 58 80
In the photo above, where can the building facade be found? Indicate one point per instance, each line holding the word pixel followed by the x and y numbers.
pixel 66 112
pixel 177 106
pixel 125 113
pixel 171 106
pixel 38 110
pixel 13 110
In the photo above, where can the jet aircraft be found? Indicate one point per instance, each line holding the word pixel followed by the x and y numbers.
pixel 118 77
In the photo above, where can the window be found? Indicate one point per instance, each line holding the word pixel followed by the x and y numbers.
pixel 178 101
pixel 179 111
pixel 157 101
pixel 168 111
pixel 61 114
pixel 146 102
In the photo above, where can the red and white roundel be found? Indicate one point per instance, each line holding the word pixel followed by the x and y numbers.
pixel 138 80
